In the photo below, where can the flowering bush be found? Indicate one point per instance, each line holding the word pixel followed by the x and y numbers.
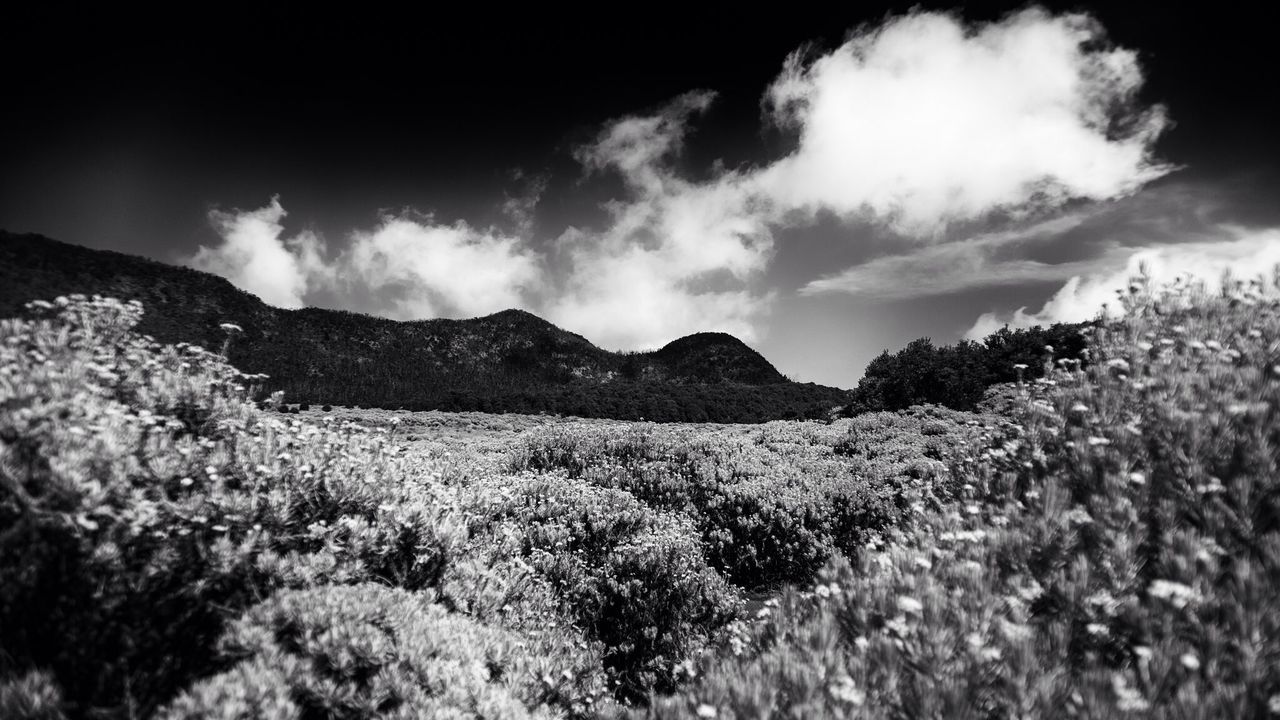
pixel 1108 550
pixel 144 500
pixel 368 651
pixel 1102 540
pixel 771 504
pixel 635 579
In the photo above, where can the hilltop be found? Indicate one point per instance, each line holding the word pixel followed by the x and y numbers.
pixel 510 361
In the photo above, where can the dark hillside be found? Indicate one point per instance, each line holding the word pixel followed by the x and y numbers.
pixel 509 361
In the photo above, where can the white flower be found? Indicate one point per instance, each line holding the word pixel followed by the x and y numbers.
pixel 706 711
pixel 909 605
pixel 844 690
pixel 1176 593
pixel 1190 661
pixel 231 328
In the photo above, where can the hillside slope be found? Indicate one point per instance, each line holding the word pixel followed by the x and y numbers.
pixel 509 361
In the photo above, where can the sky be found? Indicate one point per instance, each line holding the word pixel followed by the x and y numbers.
pixel 824 182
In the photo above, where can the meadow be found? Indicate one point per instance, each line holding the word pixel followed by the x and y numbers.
pixel 1101 541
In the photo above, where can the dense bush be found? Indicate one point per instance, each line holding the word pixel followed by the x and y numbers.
pixel 368 651
pixel 1113 550
pixel 144 500
pixel 957 376
pixel 635 579
pixel 771 506
pixel 1108 544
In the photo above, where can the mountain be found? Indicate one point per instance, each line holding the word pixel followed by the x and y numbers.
pixel 510 361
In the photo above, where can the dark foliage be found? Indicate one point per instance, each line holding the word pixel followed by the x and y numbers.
pixel 957 376
pixel 511 361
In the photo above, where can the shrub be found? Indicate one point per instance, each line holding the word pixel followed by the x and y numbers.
pixel 143 498
pixel 1108 549
pixel 368 651
pixel 633 578
pixel 33 696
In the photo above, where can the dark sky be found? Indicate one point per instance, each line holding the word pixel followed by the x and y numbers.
pixel 125 128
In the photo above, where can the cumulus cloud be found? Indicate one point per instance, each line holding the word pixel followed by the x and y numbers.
pixel 925 120
pixel 423 269
pixel 405 268
pixel 1241 254
pixel 677 257
pixel 917 124
pixel 256 259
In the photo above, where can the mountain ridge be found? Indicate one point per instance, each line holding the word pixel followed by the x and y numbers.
pixel 510 360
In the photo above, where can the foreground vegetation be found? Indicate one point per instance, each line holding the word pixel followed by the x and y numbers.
pixel 1101 541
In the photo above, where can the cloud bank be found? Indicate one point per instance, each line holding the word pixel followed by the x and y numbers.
pixel 916 124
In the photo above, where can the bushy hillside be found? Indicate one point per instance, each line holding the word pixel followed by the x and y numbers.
pixel 510 361
pixel 1107 546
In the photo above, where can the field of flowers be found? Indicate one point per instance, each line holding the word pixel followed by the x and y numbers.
pixel 1099 542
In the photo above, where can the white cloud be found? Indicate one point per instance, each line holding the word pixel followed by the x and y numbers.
pixel 678 257
pixel 923 121
pixel 255 259
pixel 440 270
pixel 403 268
pixel 915 124
pixel 1243 254
pixel 960 265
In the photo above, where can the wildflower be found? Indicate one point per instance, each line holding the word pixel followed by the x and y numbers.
pixel 909 605
pixel 1097 629
pixel 1190 661
pixel 706 711
pixel 231 328
pixel 1095 441
pixel 844 690
pixel 186 482
pixel 1137 478
pixel 1176 593
pixel 1127 699
pixel 1143 652
pixel 1273 704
